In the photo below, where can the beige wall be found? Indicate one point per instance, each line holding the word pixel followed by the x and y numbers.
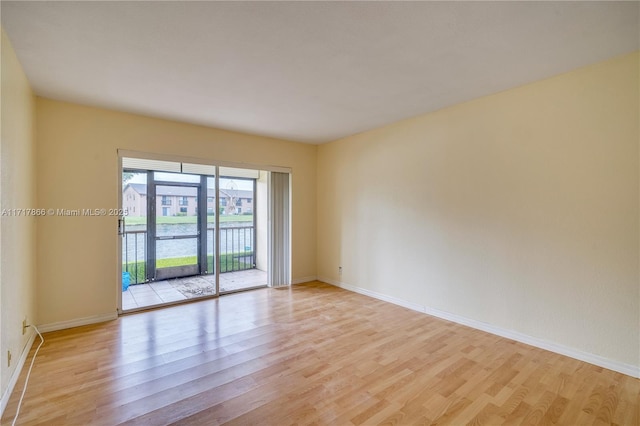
pixel 17 191
pixel 78 168
pixel 519 210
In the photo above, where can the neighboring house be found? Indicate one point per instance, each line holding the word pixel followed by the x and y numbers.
pixel 134 199
pixel 235 201
pixel 182 201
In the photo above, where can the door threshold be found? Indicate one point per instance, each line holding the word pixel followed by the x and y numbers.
pixel 166 305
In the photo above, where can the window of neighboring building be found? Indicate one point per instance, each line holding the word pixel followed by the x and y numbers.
pixel 183 209
pixel 184 201
pixel 166 201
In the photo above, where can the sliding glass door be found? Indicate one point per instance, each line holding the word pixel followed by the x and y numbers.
pixel 190 235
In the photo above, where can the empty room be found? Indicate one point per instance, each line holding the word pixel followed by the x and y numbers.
pixel 327 213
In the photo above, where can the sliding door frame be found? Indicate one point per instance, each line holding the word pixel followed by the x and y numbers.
pixel 123 153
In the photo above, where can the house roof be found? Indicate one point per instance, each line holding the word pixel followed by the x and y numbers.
pixel 140 188
pixel 183 191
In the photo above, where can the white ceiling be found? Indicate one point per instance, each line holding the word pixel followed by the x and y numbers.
pixel 304 71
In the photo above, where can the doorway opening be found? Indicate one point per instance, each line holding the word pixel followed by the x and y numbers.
pixel 191 235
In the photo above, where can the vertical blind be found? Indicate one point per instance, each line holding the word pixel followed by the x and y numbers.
pixel 279 246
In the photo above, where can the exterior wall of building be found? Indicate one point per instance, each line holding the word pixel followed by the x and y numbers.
pixel 134 203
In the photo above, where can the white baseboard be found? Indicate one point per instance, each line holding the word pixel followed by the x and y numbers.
pixel 16 373
pixel 303 280
pixel 375 295
pixel 45 328
pixel 620 367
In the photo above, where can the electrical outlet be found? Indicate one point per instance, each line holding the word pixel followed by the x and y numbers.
pixel 24 326
pixel 340 270
pixel 8 358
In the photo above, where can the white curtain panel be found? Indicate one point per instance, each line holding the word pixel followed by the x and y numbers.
pixel 279 238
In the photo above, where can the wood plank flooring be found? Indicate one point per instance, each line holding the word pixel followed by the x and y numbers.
pixel 312 354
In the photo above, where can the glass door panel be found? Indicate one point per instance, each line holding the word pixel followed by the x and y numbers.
pixel 238 232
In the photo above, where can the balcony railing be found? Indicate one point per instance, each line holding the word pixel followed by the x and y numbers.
pixel 237 251
pixel 236 248
pixel 134 255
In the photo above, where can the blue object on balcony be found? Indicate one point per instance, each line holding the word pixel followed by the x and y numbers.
pixel 126 280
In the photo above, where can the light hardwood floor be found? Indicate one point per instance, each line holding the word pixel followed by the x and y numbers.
pixel 312 354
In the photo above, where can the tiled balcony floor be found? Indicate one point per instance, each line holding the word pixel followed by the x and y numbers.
pixel 175 290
